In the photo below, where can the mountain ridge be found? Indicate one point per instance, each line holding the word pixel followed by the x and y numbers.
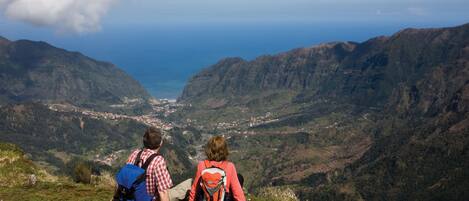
pixel 224 84
pixel 37 71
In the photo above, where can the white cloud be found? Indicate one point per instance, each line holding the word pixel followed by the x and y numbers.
pixel 78 16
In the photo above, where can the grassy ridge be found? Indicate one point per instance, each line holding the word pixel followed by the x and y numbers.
pixel 15 169
pixel 56 191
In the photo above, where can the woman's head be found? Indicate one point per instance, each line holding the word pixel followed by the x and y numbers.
pixel 216 149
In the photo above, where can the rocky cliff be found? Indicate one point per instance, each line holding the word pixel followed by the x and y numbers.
pixel 360 73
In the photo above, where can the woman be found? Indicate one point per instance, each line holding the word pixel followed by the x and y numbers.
pixel 216 151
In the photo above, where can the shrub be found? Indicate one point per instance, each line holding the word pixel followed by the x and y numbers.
pixel 82 173
pixel 275 194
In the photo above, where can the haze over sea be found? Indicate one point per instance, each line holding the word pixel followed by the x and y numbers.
pixel 163 57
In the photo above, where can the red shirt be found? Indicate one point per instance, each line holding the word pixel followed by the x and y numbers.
pixel 232 183
pixel 157 172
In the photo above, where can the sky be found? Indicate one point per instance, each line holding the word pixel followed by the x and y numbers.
pixel 162 43
pixel 88 16
pixel 157 11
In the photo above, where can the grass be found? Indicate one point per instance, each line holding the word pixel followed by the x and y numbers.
pixel 274 194
pixel 15 170
pixel 56 191
pixel 242 108
pixel 14 167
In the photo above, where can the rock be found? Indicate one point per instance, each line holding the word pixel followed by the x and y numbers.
pixel 32 180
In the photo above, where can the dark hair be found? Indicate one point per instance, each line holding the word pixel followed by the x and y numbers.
pixel 216 149
pixel 152 138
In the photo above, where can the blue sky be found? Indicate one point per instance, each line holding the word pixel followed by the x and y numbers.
pixel 82 16
pixel 167 11
pixel 162 43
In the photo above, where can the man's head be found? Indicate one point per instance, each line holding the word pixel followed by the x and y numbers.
pixel 152 138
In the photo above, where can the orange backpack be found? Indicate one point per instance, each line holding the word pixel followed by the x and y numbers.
pixel 213 181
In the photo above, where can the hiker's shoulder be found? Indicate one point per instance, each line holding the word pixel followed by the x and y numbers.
pixel 135 151
pixel 200 164
pixel 227 164
pixel 230 166
pixel 159 159
pixel 133 154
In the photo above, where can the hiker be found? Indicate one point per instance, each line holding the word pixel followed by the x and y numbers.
pixel 148 162
pixel 216 178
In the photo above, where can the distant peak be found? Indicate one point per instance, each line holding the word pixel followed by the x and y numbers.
pixel 334 44
pixel 230 61
pixel 327 45
pixel 465 25
pixel 410 31
pixel 30 42
pixel 462 27
pixel 4 40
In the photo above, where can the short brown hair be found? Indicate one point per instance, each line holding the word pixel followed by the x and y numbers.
pixel 152 138
pixel 216 149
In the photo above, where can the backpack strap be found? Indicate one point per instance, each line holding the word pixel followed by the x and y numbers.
pixel 137 160
pixel 207 164
pixel 148 161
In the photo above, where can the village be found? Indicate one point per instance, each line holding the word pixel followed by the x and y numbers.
pixel 162 107
pixel 236 125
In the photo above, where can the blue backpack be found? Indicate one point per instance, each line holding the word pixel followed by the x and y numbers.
pixel 131 181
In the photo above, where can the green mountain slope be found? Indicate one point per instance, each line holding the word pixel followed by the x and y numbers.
pixel 36 71
pixel 386 119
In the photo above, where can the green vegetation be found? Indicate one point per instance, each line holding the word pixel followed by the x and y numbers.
pixel 56 191
pixel 16 184
pixel 15 169
pixel 82 173
pixel 37 71
pixel 274 194
pixel 55 137
pixel 281 157
pixel 238 109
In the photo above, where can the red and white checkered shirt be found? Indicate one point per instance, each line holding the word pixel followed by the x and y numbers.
pixel 157 172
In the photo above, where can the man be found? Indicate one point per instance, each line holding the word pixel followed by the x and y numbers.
pixel 158 180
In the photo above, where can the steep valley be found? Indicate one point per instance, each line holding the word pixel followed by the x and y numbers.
pixel 385 119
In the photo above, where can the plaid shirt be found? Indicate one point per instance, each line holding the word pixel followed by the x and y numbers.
pixel 157 172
